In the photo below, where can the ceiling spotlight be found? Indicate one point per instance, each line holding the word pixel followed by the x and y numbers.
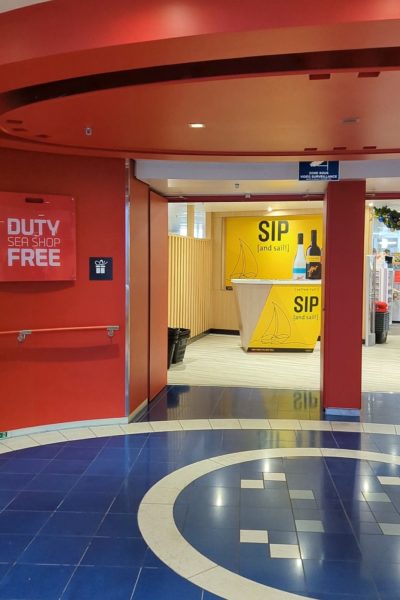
pixel 269 208
pixel 88 131
pixel 197 125
pixel 370 204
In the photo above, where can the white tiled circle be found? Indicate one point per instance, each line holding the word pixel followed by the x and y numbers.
pixel 158 528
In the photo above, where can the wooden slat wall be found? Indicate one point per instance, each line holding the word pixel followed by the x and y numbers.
pixel 189 287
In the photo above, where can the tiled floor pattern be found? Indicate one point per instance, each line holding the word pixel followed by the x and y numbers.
pixel 325 527
pixel 68 520
pixel 329 528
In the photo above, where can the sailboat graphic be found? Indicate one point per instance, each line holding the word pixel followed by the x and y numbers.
pixel 278 329
pixel 246 266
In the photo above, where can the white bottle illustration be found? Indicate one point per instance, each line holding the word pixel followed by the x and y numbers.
pixel 299 265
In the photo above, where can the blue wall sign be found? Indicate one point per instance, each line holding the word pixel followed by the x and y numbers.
pixel 318 170
pixel 100 268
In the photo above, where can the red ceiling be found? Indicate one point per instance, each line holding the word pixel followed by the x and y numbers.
pixel 265 114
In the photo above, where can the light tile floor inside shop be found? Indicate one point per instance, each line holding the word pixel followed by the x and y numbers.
pixel 215 493
pixel 219 360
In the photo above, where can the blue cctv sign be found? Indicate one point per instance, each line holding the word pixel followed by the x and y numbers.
pixel 318 170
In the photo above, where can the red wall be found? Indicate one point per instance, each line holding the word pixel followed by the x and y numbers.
pixel 139 317
pixel 342 292
pixel 158 341
pixel 59 377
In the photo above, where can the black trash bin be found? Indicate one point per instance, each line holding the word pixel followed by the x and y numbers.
pixel 180 346
pixel 173 336
pixel 381 326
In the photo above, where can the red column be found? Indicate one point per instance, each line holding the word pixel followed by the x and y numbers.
pixel 158 332
pixel 342 289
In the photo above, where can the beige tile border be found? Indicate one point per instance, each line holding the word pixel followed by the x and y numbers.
pixel 65 434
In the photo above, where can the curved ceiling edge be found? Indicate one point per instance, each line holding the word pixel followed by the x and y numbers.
pixel 326 62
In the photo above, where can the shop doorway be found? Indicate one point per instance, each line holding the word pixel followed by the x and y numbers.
pixel 201 297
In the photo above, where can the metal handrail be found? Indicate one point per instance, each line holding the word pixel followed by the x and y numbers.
pixel 23 333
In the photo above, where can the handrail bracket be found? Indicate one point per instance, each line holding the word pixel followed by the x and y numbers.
pixel 21 337
pixel 111 329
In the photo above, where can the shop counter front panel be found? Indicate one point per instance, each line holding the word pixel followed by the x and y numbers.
pixel 278 315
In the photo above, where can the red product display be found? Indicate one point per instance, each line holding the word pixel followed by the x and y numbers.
pixel 37 237
pixel 381 307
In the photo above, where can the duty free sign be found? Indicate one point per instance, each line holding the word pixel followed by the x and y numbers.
pixel 37 237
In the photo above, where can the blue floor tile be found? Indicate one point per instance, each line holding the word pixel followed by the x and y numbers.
pixel 55 550
pixel 12 546
pixel 6 496
pixel 98 483
pixel 73 523
pixel 24 522
pixel 339 577
pixel 151 560
pixel 34 582
pixel 384 548
pixel 349 466
pixel 212 516
pixel 27 465
pixel 126 502
pixel 83 452
pixel 282 573
pixel 51 482
pixel 46 451
pixel 216 496
pixel 274 519
pixel 127 441
pixel 101 583
pixel 87 501
pixel 37 501
pixel 115 552
pixel 124 454
pixel 268 498
pixel 328 546
pixel 119 525
pixel 165 584
pixel 3 570
pixel 10 481
pixel 72 466
pixel 219 545
pixel 105 466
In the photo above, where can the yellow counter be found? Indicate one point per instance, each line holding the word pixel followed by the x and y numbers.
pixel 278 315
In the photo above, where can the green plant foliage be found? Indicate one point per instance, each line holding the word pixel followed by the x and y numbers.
pixel 388 216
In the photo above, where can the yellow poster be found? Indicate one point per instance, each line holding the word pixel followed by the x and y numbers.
pixel 267 247
pixel 290 319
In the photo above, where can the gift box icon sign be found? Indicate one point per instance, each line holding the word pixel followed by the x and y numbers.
pixel 100 266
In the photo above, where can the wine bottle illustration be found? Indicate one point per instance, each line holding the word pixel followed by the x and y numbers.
pixel 313 258
pixel 299 265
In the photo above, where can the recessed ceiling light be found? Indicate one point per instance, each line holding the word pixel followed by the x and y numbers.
pixel 370 203
pixel 269 208
pixel 197 125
